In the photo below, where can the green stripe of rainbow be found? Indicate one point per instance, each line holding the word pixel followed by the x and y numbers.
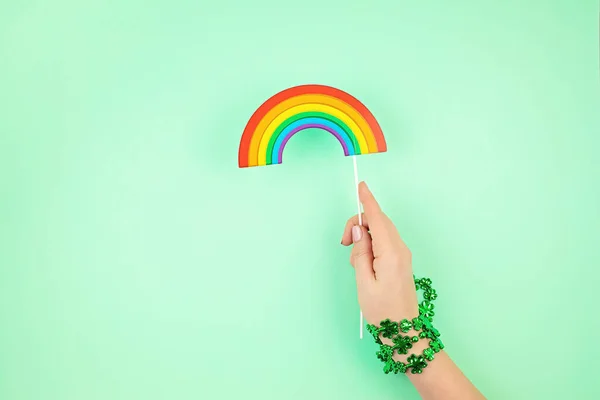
pixel 308 106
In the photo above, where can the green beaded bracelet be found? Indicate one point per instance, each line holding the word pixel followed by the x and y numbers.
pixel 402 344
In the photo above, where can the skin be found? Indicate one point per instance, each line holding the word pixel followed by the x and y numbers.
pixel 384 280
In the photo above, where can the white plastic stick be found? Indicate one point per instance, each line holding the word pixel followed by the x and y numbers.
pixel 359 207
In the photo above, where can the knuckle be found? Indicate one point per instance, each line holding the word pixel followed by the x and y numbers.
pixel 358 254
pixel 354 219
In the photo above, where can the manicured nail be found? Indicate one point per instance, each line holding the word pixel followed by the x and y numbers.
pixel 356 233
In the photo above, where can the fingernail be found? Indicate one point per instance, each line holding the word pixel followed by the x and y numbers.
pixel 356 233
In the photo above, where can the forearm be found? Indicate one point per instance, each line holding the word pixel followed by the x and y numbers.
pixel 442 379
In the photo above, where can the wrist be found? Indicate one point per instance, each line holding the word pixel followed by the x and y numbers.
pixel 417 337
pixel 418 345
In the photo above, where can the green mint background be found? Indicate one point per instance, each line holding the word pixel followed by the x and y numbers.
pixel 138 262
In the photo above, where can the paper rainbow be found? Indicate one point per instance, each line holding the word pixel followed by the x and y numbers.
pixel 308 106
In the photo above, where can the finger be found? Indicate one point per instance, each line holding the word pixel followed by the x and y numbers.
pixel 347 236
pixel 370 205
pixel 361 256
pixel 381 228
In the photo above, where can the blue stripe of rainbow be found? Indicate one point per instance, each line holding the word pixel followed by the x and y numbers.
pixel 306 123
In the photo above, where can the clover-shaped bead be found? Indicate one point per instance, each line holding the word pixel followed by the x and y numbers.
pixel 405 325
pixel 417 324
pixel 430 294
pixel 389 366
pixel 425 283
pixel 430 335
pixel 426 309
pixel 385 352
pixel 434 332
pixel 373 330
pixel 399 367
pixel 427 306
pixel 436 345
pixel 430 330
pixel 426 322
pixel 402 344
pixel 423 335
pixel 416 364
pixel 388 328
pixel 429 354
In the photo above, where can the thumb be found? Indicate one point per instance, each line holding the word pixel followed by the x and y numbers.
pixel 361 256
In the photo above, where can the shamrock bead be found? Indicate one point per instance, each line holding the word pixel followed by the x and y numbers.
pixel 405 325
pixel 416 364
pixel 429 329
pixel 389 366
pixel 430 335
pixel 426 323
pixel 389 329
pixel 402 344
pixel 429 354
pixel 426 309
pixel 434 332
pixel 400 368
pixel 385 352
pixel 430 294
pixel 415 339
pixel 417 324
pixel 425 282
pixel 423 335
pixel 373 330
pixel 436 345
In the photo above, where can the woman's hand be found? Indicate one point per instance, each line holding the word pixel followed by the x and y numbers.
pixel 386 289
pixel 382 263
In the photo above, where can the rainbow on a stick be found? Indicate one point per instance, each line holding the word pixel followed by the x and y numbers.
pixel 303 107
